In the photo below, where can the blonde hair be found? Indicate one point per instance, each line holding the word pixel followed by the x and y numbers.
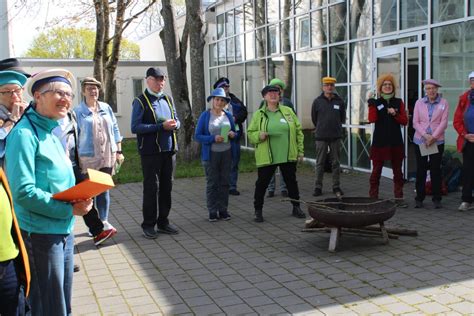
pixel 386 77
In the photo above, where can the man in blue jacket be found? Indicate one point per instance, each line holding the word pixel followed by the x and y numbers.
pixel 155 122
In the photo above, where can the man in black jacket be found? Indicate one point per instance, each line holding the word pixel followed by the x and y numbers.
pixel 328 114
pixel 239 112
pixel 155 122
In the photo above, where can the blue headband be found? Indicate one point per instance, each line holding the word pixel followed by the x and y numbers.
pixel 40 82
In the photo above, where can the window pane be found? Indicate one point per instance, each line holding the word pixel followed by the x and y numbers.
pixel 220 26
pixel 273 40
pixel 273 11
pixel 317 3
pixel 444 10
pixel 452 51
pixel 249 16
pixel 360 61
pixel 385 16
pixel 235 73
pixel 239 20
pixel 413 13
pixel 256 80
pixel 337 23
pixel 360 18
pixel 261 41
pixel 137 87
pixel 230 50
pixel 360 142
pixel 338 62
pixel 213 76
pixel 286 8
pixel 229 23
pixel 221 52
pixel 239 47
pixel 249 46
pixel 471 8
pixel 287 37
pixel 302 6
pixel 213 54
pixel 311 66
pixel 318 28
pixel 303 32
pixel 358 107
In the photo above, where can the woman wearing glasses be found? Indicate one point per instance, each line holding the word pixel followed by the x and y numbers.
pixel 38 167
pixel 389 115
pixel 99 144
pixel 11 104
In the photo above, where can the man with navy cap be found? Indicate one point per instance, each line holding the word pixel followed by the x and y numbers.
pixel 155 122
pixel 11 90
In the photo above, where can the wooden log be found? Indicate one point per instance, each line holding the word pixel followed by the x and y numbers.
pixel 394 230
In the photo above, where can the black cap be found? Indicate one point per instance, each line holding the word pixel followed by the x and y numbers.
pixel 14 65
pixel 221 82
pixel 155 72
pixel 269 88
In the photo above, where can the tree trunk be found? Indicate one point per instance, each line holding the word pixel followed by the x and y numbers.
pixel 288 59
pixel 99 39
pixel 176 68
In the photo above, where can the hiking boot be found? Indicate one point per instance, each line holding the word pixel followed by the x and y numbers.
pixel 317 192
pixel 149 233
pixel 271 194
pixel 234 192
pixel 338 192
pixel 258 216
pixel 297 212
pixel 418 204
pixel 104 235
pixel 464 206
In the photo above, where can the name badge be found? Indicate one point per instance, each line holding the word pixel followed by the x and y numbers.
pixel 379 107
pixel 282 120
pixel 442 107
pixel 336 107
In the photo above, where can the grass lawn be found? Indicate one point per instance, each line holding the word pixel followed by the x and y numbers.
pixel 131 169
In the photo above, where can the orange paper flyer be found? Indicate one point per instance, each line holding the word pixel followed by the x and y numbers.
pixel 97 183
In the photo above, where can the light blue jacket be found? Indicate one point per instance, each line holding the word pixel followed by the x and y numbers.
pixel 84 128
pixel 37 167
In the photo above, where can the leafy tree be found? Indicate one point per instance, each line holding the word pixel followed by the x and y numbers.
pixel 62 42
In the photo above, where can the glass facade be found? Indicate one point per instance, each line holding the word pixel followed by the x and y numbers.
pixel 301 41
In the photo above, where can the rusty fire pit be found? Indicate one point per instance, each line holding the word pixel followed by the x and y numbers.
pixel 351 212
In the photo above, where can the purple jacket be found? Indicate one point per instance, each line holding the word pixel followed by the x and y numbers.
pixel 439 120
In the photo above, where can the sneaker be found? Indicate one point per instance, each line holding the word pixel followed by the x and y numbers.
pixel 224 216
pixel 271 194
pixel 317 192
pixel 400 202
pixel 418 204
pixel 149 233
pixel 464 206
pixel 258 216
pixel 168 229
pixel 284 193
pixel 107 225
pixel 104 235
pixel 437 204
pixel 77 268
pixel 297 212
pixel 337 191
pixel 234 192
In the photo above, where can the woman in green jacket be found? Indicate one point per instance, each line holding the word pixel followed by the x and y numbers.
pixel 276 132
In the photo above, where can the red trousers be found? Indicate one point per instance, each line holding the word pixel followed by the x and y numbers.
pixel 397 177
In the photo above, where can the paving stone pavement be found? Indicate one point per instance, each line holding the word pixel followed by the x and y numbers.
pixel 242 267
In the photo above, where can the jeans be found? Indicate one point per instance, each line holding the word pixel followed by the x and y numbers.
pixel 271 185
pixel 51 260
pixel 234 171
pixel 12 296
pixel 102 201
pixel 422 166
pixel 265 173
pixel 217 171
pixel 91 219
pixel 467 171
pixel 157 168
pixel 321 152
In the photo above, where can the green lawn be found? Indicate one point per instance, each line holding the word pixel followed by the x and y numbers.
pixel 131 169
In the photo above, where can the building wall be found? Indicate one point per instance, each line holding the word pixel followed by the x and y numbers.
pixel 127 72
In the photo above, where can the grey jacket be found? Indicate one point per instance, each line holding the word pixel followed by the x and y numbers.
pixel 328 117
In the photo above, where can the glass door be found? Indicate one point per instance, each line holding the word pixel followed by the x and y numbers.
pixel 391 60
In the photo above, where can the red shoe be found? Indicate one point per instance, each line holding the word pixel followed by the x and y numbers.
pixel 104 235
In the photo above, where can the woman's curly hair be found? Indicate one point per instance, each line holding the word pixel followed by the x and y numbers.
pixel 386 77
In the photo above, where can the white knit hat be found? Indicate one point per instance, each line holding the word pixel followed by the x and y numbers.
pixel 471 75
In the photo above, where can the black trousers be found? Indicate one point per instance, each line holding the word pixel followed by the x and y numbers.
pixel 157 168
pixel 422 166
pixel 467 172
pixel 288 171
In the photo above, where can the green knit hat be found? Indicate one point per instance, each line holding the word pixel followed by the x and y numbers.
pixel 277 82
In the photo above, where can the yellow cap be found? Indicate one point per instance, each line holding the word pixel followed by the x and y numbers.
pixel 329 80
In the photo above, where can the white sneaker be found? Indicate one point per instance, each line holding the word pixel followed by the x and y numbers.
pixel 464 206
pixel 107 225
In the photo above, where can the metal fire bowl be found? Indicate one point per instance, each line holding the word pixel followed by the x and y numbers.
pixel 351 212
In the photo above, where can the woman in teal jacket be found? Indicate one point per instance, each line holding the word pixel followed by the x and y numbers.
pixel 38 167
pixel 276 132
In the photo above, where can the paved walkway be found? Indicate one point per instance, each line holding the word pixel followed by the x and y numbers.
pixel 241 267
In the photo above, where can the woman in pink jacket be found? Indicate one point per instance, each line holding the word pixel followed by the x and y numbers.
pixel 430 119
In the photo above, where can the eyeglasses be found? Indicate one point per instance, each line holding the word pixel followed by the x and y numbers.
pixel 62 94
pixel 11 92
